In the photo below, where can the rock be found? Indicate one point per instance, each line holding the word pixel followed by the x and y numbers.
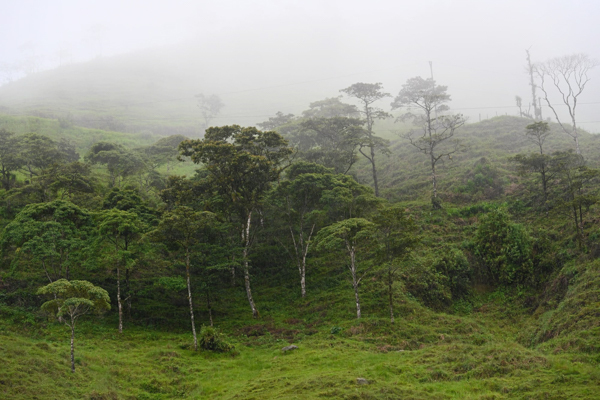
pixel 362 381
pixel 288 348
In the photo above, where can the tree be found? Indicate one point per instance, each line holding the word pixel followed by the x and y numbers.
pixel 505 249
pixel 331 142
pixel 71 180
pixel 567 75
pixel 121 229
pixel 537 107
pixel 522 113
pixel 183 229
pixel 354 236
pixel 577 188
pixel 537 134
pixel 72 299
pixel 275 122
pixel 396 236
pixel 10 161
pixel 39 152
pixel 119 161
pixel 299 200
pixel 433 129
pixel 242 164
pixel 163 151
pixel 210 107
pixel 53 234
pixel 329 108
pixel 367 94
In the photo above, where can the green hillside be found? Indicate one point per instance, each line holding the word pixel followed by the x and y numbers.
pixel 495 294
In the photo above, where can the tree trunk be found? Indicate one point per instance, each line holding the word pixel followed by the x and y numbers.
pixel 433 177
pixel 374 168
pixel 189 288
pixel 119 303
pixel 391 294
pixel 209 306
pixel 246 238
pixel 232 270
pixel 355 281
pixel 72 346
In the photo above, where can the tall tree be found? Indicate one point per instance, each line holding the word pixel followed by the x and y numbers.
pixel 329 108
pixel 10 161
pixel 331 142
pixel 577 188
pixel 298 199
pixel 242 164
pixel 182 230
pixel 537 109
pixel 354 236
pixel 210 107
pixel 72 299
pixel 433 128
pixel 121 229
pixel 568 76
pixel 395 233
pixel 368 94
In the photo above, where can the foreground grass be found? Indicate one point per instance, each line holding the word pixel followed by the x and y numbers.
pixel 424 356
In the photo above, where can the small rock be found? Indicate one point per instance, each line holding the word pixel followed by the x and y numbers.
pixel 362 381
pixel 288 348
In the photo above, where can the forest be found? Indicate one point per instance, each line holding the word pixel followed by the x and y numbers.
pixel 307 256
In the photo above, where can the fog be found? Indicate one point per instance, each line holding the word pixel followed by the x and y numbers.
pixel 284 54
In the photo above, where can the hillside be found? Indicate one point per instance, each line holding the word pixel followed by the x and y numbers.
pixel 495 296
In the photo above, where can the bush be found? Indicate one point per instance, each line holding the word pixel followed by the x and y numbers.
pixel 426 283
pixel 211 339
pixel 504 249
pixel 454 265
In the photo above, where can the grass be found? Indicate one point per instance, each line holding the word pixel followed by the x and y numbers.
pixel 425 355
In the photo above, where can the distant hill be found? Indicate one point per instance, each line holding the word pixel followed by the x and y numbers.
pixel 154 90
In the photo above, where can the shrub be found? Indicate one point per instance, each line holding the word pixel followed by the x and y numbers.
pixel 504 248
pixel 211 339
pixel 426 283
pixel 454 265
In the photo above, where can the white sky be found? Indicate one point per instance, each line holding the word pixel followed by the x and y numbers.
pixel 477 46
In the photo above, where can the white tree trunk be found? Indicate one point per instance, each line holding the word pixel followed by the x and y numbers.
pixel 189 288
pixel 119 303
pixel 246 238
pixel 72 346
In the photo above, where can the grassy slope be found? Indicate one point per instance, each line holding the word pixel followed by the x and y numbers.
pixel 426 355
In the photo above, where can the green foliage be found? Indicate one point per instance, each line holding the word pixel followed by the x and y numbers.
pixel 212 339
pixel 425 282
pixel 53 234
pixel 483 181
pixel 119 161
pixel 453 263
pixel 74 298
pixel 504 248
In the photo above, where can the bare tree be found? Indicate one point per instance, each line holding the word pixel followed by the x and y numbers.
pixel 210 107
pixel 433 130
pixel 537 108
pixel 568 75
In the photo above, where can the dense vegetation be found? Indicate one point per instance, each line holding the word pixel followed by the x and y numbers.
pixel 218 252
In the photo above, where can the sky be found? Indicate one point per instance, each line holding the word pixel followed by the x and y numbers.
pixel 476 47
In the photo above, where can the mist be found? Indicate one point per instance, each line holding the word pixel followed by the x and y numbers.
pixel 268 56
